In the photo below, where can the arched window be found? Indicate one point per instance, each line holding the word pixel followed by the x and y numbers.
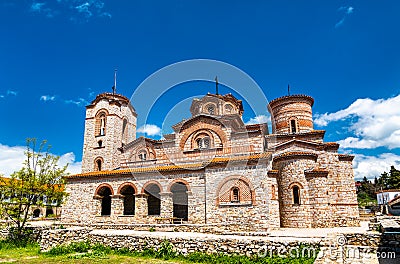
pixel 235 195
pixel 142 155
pixel 293 126
pixel 153 199
pixel 129 199
pixel 49 211
pixel 98 164
pixel 203 143
pixel 105 193
pixel 101 120
pixel 180 200
pixel 102 124
pixel 100 143
pixel 36 213
pixel 211 109
pixel 228 109
pixel 296 195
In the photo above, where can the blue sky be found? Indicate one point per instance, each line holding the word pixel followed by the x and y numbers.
pixel 56 55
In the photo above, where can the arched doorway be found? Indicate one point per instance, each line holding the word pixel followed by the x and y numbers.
pixel 36 213
pixel 180 200
pixel 129 199
pixel 153 201
pixel 49 211
pixel 105 192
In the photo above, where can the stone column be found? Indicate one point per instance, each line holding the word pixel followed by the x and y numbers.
pixel 192 215
pixel 141 207
pixel 97 205
pixel 117 205
pixel 167 206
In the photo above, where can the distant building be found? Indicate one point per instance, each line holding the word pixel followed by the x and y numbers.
pixel 358 185
pixel 46 208
pixel 213 169
pixel 384 196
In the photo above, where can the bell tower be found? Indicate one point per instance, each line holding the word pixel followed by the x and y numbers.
pixel 291 114
pixel 110 123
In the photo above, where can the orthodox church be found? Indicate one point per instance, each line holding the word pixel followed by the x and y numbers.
pixel 212 170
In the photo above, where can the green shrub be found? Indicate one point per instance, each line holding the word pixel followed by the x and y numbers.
pixel 79 247
pixel 165 251
pixel 21 238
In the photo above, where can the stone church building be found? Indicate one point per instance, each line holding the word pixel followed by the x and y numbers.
pixel 213 169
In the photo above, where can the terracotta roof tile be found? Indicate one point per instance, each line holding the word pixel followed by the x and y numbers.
pixel 173 167
pixel 295 154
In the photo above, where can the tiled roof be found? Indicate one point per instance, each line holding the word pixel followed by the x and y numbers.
pixel 255 126
pixel 317 171
pixel 295 96
pixel 312 132
pixel 173 167
pixel 295 154
pixel 395 200
pixel 389 190
pixel 345 157
pixel 6 180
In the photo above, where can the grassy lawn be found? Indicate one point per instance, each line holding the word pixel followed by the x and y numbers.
pixel 84 252
pixel 31 254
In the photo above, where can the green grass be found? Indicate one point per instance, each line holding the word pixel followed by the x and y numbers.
pixel 83 252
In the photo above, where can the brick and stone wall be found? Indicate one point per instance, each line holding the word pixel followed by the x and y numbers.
pixel 202 195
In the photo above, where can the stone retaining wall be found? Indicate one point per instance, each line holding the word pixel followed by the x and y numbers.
pixel 332 249
pixel 182 243
pixel 245 229
pixel 56 237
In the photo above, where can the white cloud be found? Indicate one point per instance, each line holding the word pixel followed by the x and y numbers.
pixel 74 167
pixel 347 10
pixel 260 119
pixel 12 158
pixel 78 102
pixel 42 8
pixel 77 10
pixel 47 98
pixel 37 7
pixel 150 130
pixel 374 166
pixel 84 8
pixel 339 23
pixel 10 92
pixel 375 123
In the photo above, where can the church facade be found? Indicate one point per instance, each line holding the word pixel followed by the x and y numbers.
pixel 213 169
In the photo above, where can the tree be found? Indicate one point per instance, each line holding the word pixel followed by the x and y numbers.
pixel 389 180
pixel 383 181
pixel 394 178
pixel 38 180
